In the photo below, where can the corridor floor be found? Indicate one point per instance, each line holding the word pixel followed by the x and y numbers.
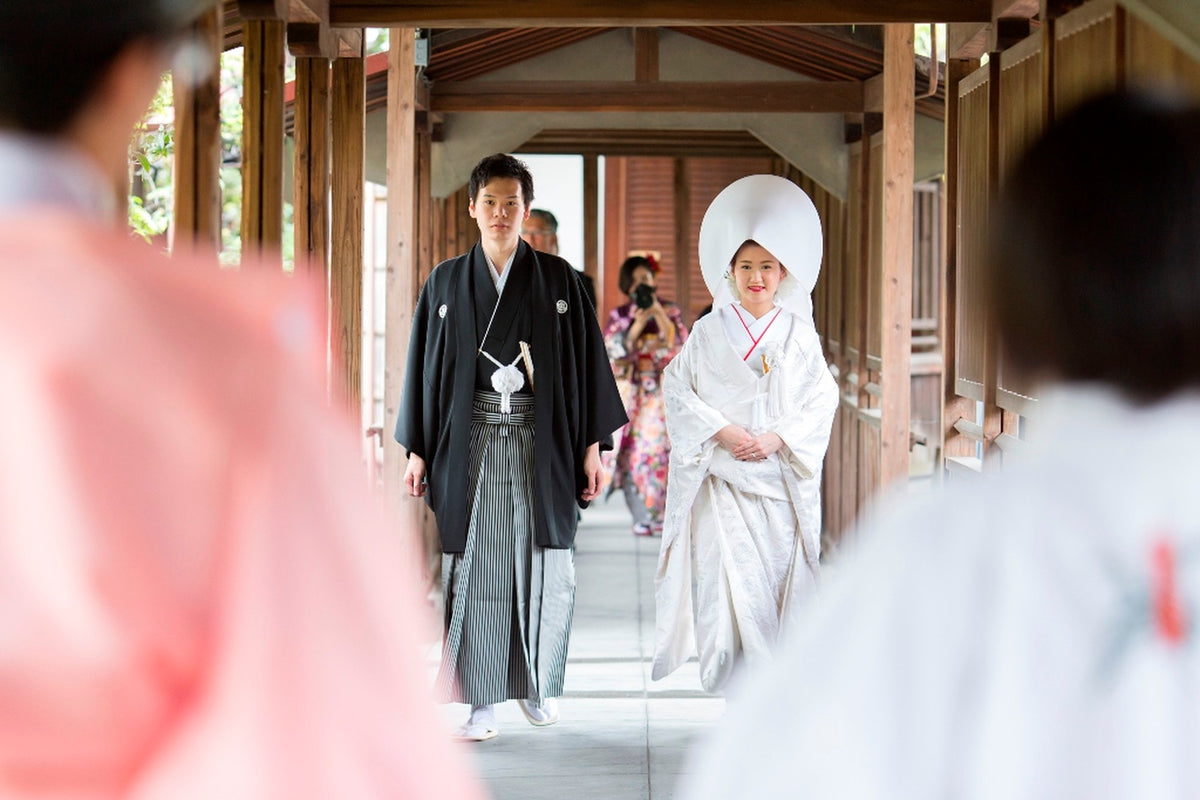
pixel 620 736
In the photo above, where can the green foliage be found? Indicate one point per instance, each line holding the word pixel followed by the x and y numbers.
pixel 151 154
pixel 376 40
pixel 232 72
pixel 231 156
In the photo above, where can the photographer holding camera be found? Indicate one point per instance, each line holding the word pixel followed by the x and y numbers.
pixel 642 336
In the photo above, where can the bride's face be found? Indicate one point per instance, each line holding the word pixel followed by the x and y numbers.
pixel 756 274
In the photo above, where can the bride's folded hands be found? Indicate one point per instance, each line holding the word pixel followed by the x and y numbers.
pixel 745 447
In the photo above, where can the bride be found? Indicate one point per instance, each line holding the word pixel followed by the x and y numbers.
pixel 750 403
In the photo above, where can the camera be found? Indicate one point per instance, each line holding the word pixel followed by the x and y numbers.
pixel 643 295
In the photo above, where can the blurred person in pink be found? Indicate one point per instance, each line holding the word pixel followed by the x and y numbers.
pixel 1032 633
pixel 197 598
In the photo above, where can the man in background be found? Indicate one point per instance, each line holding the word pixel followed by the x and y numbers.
pixel 540 232
pixel 198 600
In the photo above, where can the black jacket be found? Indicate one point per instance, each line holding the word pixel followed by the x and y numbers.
pixel 576 401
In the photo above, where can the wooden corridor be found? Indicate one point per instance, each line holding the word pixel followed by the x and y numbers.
pixel 888 335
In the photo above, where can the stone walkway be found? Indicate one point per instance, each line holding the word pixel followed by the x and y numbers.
pixel 621 736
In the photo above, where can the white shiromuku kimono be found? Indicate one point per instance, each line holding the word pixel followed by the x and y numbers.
pixel 1030 634
pixel 741 539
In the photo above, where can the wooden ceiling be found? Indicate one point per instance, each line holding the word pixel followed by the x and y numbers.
pixel 834 54
pixel 459 55
pixel 834 47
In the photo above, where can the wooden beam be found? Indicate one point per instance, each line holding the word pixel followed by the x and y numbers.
pixel 348 135
pixel 262 138
pixel 1007 31
pixel 898 170
pixel 1027 9
pixel 591 219
pixel 311 40
pixel 579 96
pixel 402 276
pixel 645 55
pixel 308 11
pixel 873 94
pixel 263 9
pixel 634 142
pixel 967 40
pixel 638 13
pixel 318 40
pixel 930 106
pixel 1053 9
pixel 422 97
pixel 198 142
pixel 286 10
pixel 852 128
pixel 350 42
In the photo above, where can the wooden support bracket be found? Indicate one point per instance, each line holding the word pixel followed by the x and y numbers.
pixel 311 40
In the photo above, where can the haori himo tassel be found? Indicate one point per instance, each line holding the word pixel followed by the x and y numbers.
pixel 506 380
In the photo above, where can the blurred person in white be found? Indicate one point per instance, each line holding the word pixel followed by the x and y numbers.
pixel 197 596
pixel 1031 634
pixel 750 402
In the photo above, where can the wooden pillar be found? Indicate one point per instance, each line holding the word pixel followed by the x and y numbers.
pixel 310 191
pixel 468 232
pixel 645 50
pixel 954 405
pixel 198 141
pixel 993 415
pixel 864 268
pixel 346 265
pixel 402 275
pixel 423 210
pixel 898 169
pixel 616 235
pixel 843 328
pixel 683 232
pixel 262 138
pixel 591 225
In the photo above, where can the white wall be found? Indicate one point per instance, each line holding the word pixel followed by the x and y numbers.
pixel 558 188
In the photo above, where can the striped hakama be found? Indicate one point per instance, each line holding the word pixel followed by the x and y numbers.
pixel 508 602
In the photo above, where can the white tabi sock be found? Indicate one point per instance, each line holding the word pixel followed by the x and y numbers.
pixel 483 714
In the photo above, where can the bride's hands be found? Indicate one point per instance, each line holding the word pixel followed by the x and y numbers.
pixel 744 447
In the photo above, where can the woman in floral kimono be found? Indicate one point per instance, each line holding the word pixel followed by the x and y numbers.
pixel 642 336
pixel 750 403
